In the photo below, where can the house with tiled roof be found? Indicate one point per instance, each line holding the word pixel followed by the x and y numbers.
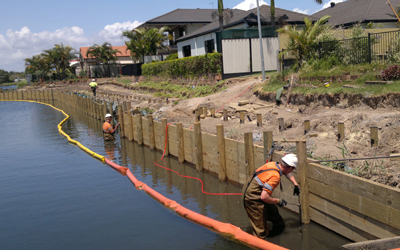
pixel 86 62
pixel 351 12
pixel 183 21
pixel 244 26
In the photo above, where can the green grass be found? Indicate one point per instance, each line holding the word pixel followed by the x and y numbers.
pixel 165 89
pixel 124 80
pixel 367 72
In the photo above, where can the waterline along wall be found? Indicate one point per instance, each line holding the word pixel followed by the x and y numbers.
pixel 354 207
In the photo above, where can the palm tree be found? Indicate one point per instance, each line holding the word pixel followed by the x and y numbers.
pixel 37 65
pixel 222 14
pixel 58 57
pixel 144 41
pixel 302 42
pixel 104 54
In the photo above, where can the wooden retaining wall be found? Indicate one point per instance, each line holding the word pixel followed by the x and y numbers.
pixel 354 207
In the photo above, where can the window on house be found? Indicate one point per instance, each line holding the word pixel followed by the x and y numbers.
pixel 186 51
pixel 209 46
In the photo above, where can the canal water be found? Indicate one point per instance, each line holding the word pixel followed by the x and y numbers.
pixel 8 87
pixel 55 196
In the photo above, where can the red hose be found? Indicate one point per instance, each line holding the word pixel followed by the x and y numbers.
pixel 185 176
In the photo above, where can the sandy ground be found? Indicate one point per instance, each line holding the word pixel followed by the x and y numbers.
pixel 322 142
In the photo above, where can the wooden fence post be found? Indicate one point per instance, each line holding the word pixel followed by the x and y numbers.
pixel 205 111
pixel 267 142
pixel 340 131
pixel 151 131
pixel 139 129
pixel 281 123
pixel 259 120
pixel 198 146
pixel 120 120
pixel 301 152
pixel 165 136
pixel 225 115
pixel 213 112
pixel 241 116
pixel 249 152
pixel 306 126
pixel 130 125
pixel 374 136
pixel 181 148
pixel 221 152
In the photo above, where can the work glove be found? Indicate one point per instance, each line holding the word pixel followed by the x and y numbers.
pixel 296 190
pixel 282 203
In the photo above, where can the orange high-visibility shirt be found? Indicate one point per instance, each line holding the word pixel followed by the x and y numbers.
pixel 269 180
pixel 107 128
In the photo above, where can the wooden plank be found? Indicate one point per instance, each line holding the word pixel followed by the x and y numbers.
pixel 383 194
pixel 348 216
pixel 231 155
pixel 335 226
pixel 198 147
pixel 159 135
pixel 210 152
pixel 188 138
pixel 371 208
pixel 221 152
pixel 258 156
pixel 145 130
pixel 172 140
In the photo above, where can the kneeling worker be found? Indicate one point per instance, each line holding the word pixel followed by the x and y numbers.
pixel 108 129
pixel 258 202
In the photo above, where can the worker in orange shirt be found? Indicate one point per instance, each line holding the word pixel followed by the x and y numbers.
pixel 259 204
pixel 108 129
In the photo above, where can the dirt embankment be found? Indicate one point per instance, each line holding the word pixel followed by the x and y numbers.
pixel 358 113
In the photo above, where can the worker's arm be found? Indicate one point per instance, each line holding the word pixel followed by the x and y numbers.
pixel 292 179
pixel 267 198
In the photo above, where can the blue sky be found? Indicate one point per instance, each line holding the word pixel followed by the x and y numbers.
pixel 27 27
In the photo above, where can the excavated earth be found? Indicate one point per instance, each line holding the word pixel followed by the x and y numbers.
pixel 358 113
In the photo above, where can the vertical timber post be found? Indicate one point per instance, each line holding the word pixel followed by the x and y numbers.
pixel 306 126
pixel 340 131
pixel 374 136
pixel 259 120
pixel 165 138
pixel 213 112
pixel 221 152
pixel 181 148
pixel 225 112
pixel 151 131
pixel 301 152
pixel 249 152
pixel 281 123
pixel 241 116
pixel 267 141
pixel 198 146
pixel 139 128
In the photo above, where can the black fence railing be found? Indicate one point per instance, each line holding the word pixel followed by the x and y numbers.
pixel 376 47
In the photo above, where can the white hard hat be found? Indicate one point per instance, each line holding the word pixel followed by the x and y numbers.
pixel 92 80
pixel 108 115
pixel 291 160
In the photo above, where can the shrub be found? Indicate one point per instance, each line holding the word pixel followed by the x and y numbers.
pixel 391 73
pixel 188 67
pixel 173 56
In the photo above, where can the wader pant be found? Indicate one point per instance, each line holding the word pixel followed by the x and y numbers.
pixel 261 216
pixel 264 217
pixel 108 136
pixel 94 91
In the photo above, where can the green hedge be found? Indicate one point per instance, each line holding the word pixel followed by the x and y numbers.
pixel 188 67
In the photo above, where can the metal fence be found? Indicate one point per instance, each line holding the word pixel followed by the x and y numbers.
pixel 376 47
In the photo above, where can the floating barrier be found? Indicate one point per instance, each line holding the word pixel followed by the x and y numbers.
pixel 225 229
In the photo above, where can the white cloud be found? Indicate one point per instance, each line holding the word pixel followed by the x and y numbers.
pixel 114 31
pixel 301 11
pixel 328 4
pixel 249 4
pixel 17 45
